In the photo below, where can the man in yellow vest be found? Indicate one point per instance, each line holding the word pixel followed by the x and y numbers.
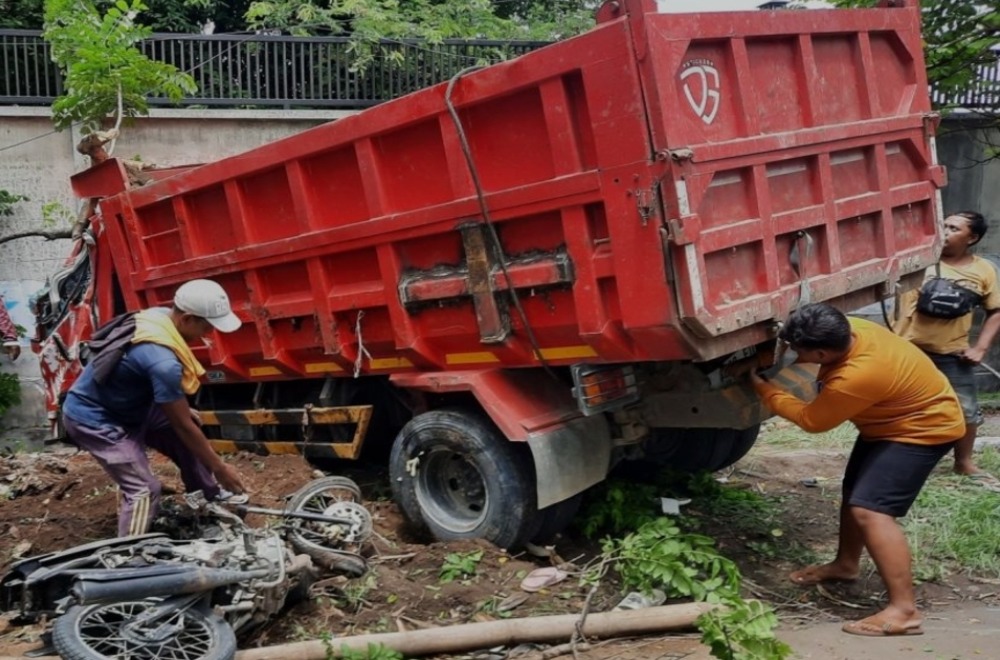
pixel 137 398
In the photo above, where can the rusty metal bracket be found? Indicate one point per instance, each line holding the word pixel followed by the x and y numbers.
pixel 491 315
pixel 486 280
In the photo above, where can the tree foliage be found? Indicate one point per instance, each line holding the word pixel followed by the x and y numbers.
pixel 179 16
pixel 368 21
pixel 21 14
pixel 959 36
pixel 103 70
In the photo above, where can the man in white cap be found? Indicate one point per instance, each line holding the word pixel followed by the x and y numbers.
pixel 133 395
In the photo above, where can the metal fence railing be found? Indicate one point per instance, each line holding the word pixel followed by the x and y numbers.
pixel 982 96
pixel 260 70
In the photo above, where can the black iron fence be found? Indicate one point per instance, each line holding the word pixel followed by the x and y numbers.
pixel 259 70
pixel 982 96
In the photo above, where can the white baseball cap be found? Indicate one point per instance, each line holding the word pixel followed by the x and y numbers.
pixel 208 300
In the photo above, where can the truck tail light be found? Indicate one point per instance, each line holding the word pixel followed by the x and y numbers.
pixel 600 388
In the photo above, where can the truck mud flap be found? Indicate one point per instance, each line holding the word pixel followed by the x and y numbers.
pixel 239 425
pixel 570 458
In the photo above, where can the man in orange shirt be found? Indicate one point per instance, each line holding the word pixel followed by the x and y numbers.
pixel 908 417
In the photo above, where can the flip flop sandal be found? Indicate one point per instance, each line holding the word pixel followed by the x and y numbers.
pixel 540 578
pixel 865 628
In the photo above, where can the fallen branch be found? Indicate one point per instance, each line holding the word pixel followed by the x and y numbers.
pixel 564 649
pixel 826 594
pixel 47 235
pixel 508 632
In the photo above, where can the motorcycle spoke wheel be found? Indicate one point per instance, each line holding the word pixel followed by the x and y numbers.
pixel 110 630
pixel 327 543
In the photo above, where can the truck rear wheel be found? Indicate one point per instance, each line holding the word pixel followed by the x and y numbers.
pixel 555 518
pixel 455 475
pixel 692 450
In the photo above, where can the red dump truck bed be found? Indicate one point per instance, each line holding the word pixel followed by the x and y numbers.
pixel 662 187
pixel 581 251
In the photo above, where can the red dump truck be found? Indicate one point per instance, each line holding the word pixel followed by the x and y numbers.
pixel 540 268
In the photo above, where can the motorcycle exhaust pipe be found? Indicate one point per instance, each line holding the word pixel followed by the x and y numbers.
pixel 139 584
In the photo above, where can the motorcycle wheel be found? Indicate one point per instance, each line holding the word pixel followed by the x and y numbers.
pixel 324 542
pixel 101 632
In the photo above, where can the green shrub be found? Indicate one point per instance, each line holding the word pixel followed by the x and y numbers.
pixel 10 392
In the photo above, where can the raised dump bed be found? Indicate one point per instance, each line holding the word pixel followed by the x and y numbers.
pixel 651 196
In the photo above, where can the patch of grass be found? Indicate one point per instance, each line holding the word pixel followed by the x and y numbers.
pixel 954 526
pixel 618 507
pixel 746 514
pixel 354 594
pixel 778 433
pixel 989 400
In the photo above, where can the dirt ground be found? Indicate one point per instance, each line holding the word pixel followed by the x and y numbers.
pixel 55 500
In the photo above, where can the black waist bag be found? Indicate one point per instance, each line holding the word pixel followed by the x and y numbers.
pixel 942 298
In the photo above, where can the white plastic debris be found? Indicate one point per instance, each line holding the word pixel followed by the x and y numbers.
pixel 671 506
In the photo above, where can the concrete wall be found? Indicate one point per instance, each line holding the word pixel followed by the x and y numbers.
pixel 966 147
pixel 38 161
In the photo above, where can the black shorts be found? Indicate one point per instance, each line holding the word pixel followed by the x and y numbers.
pixel 886 476
pixel 962 376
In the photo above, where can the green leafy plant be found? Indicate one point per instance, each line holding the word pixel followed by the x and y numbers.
pixel 10 392
pixel 54 213
pixel 460 565
pixel 744 630
pixel 376 26
pixel 660 555
pixel 8 200
pixel 105 73
pixel 617 507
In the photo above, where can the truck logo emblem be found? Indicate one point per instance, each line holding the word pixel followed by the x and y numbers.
pixel 700 81
pixel 215 376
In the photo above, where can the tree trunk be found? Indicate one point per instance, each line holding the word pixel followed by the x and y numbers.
pixel 507 632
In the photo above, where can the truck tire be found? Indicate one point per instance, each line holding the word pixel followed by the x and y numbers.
pixel 693 450
pixel 456 476
pixel 97 632
pixel 555 518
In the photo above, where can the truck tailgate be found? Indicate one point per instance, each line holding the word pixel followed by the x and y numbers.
pixel 802 160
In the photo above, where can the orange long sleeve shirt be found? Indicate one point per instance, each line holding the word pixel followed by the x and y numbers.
pixel 885 385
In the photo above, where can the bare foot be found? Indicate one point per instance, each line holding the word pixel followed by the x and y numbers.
pixel 967 469
pixel 810 575
pixel 890 621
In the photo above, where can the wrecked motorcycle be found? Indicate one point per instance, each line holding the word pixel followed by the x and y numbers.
pixel 186 595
